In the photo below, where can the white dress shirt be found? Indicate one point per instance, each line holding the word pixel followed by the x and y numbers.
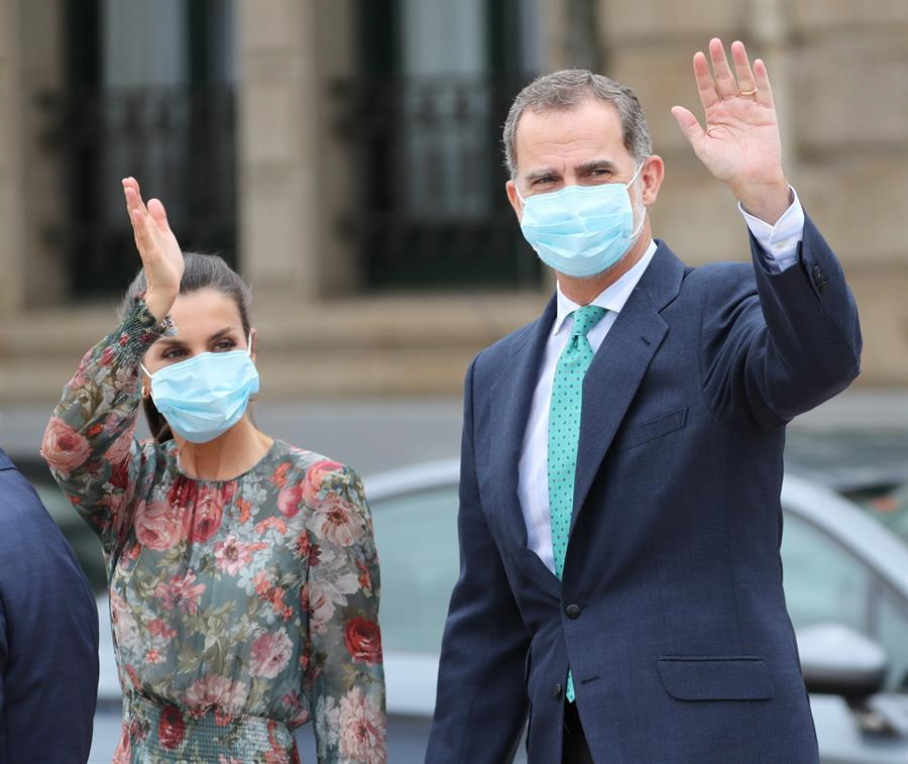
pixel 780 245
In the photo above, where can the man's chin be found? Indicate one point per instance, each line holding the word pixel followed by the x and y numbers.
pixel 599 274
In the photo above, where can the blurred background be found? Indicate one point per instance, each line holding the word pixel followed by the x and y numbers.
pixel 344 156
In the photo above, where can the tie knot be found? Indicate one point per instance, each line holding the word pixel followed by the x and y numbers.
pixel 586 318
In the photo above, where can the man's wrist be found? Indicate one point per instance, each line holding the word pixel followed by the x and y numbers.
pixel 767 202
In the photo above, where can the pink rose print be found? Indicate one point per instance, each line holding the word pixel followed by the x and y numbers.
pixel 270 654
pixel 217 691
pixel 203 516
pixel 316 601
pixel 362 728
pixel 121 447
pixel 231 555
pixel 363 640
pixel 289 500
pixel 180 592
pixel 123 754
pixel 171 728
pixel 312 485
pixel 337 520
pixel 63 448
pixel 299 714
pixel 158 525
pixel 158 628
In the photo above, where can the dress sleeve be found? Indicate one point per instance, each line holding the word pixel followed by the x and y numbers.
pixel 89 442
pixel 343 673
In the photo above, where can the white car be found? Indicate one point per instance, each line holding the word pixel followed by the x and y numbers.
pixel 846 583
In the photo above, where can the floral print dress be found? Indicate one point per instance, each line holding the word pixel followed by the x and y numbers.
pixel 241 608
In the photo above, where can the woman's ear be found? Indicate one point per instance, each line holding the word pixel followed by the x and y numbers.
pixel 253 343
pixel 145 379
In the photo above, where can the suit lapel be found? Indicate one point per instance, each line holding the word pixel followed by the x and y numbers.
pixel 511 398
pixel 617 370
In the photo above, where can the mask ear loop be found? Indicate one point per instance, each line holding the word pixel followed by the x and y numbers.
pixel 145 391
pixel 643 216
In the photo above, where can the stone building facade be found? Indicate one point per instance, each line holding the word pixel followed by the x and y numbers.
pixel 330 324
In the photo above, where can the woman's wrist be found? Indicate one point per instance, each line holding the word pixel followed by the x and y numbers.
pixel 159 305
pixel 140 329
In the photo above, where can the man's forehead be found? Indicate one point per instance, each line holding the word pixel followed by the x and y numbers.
pixel 591 127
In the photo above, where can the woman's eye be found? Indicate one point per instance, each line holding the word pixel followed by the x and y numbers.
pixel 172 354
pixel 224 345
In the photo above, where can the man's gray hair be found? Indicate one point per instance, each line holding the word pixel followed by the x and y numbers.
pixel 568 89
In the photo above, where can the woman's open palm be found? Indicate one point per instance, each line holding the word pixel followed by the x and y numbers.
pixel 161 255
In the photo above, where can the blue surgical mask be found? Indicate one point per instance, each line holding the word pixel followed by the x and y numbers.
pixel 204 396
pixel 581 231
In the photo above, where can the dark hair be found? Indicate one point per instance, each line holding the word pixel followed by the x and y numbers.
pixel 202 271
pixel 568 89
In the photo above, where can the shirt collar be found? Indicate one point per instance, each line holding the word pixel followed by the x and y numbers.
pixel 612 298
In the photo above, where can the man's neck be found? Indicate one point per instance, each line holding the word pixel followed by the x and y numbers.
pixel 584 291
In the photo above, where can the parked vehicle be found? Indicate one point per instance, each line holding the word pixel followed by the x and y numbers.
pixel 846 583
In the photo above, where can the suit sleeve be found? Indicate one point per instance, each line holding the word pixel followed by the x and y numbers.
pixel 48 637
pixel 481 702
pixel 781 344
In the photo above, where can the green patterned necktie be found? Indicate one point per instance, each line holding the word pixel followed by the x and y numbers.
pixel 564 432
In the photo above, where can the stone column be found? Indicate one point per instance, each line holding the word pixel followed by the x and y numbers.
pixel 12 260
pixel 291 178
pixel 851 132
pixel 41 72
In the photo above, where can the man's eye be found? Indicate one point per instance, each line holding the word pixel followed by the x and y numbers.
pixel 602 172
pixel 542 181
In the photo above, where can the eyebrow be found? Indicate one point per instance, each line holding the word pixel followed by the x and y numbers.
pixel 536 174
pixel 585 169
pixel 596 164
pixel 176 341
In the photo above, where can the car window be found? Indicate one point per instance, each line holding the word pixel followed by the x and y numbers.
pixel 892 633
pixel 416 537
pixel 823 581
pixel 889 507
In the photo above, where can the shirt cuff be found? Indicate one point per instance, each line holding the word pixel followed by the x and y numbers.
pixel 779 242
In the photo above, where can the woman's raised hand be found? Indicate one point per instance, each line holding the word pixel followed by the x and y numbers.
pixel 161 255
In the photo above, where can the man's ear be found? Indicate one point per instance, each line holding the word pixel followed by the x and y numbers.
pixel 516 204
pixel 651 176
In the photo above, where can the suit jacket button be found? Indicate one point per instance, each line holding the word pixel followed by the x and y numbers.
pixel 573 611
pixel 819 278
pixel 556 693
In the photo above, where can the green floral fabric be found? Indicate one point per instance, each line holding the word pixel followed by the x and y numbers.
pixel 238 606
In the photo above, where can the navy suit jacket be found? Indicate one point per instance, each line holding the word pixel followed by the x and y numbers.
pixel 670 613
pixel 48 634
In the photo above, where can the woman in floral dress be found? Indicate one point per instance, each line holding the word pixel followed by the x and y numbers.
pixel 243 576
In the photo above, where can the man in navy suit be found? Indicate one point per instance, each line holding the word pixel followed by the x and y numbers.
pixel 48 635
pixel 620 515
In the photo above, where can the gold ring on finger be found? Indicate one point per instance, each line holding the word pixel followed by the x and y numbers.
pixel 747 92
